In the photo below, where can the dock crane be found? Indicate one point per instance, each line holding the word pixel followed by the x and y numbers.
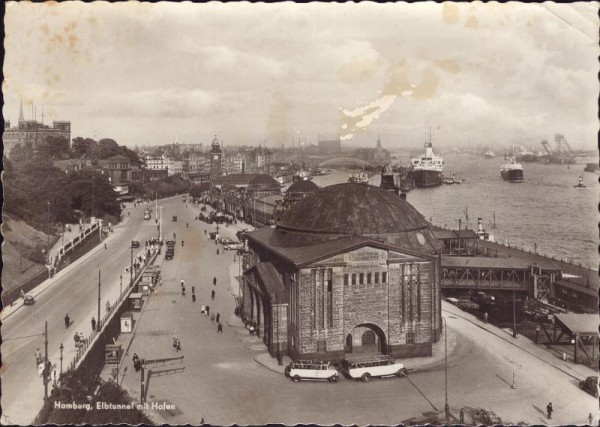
pixel 547 147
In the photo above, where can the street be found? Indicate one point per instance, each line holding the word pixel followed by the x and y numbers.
pixel 224 385
pixel 74 291
pixel 222 382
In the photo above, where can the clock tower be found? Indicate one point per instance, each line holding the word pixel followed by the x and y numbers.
pixel 216 159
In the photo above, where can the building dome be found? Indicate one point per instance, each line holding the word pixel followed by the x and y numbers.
pixel 345 210
pixel 302 186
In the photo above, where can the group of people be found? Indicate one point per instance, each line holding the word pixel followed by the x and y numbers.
pixel 176 344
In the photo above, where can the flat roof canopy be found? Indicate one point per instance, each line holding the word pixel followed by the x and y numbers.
pixel 579 324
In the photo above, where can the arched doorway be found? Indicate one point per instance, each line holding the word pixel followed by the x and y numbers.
pixel 364 340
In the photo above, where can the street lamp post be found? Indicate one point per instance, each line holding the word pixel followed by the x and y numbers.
pixel 514 315
pixel 46 371
pixel 62 347
pixel 120 285
pixel 48 236
pixel 446 406
pixel 131 267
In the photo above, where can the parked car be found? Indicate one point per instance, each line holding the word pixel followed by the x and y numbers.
pixel 174 218
pixel 135 244
pixel 234 246
pixel 365 368
pixel 227 241
pixel 213 235
pixel 28 300
pixel 169 254
pixel 311 370
pixel 170 243
pixel 590 385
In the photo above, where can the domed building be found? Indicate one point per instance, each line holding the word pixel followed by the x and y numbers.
pixel 350 269
pixel 296 192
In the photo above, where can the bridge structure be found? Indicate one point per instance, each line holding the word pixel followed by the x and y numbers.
pixel 346 161
pixel 498 274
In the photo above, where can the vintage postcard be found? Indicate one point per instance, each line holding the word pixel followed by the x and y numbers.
pixel 248 213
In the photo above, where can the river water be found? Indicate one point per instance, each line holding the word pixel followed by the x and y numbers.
pixel 544 210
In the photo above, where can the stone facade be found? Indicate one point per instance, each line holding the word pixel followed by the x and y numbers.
pixel 390 295
pixel 345 288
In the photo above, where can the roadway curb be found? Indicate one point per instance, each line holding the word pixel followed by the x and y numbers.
pixel 257 360
pixel 514 344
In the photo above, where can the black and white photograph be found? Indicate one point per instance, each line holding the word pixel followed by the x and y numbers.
pixel 300 213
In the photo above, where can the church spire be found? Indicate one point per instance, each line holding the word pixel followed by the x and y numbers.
pixel 21 119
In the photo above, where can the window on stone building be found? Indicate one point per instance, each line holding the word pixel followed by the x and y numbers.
pixel 354 278
pixel 410 338
pixel 384 277
pixel 346 279
pixel 321 346
pixel 368 278
pixel 377 277
pixel 361 278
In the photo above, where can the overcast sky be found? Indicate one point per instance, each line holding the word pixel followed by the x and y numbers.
pixel 146 74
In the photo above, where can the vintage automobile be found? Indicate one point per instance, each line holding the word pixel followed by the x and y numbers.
pixel 170 243
pixel 28 299
pixel 311 370
pixel 174 218
pixel 364 368
pixel 135 244
pixel 234 246
pixel 590 385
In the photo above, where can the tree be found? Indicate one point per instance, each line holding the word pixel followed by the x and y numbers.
pixel 82 146
pixel 53 147
pixel 92 194
pixel 22 152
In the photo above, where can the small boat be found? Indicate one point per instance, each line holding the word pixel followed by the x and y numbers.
pixel 489 155
pixel 580 184
pixel 450 180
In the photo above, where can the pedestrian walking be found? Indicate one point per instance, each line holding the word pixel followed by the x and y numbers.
pixel 38 357
pixel 203 310
pixel 174 343
pixel 183 291
pixel 212 318
pixel 215 281
pixel 178 345
pixel 93 324
pixel 219 328
pixel 485 317
pixel 218 317
pixel 193 297
pixel 193 290
pixel 549 410
pixel 251 330
pixel 182 283
pixel 462 415
pixel 212 294
pixel 590 419
pixel 207 310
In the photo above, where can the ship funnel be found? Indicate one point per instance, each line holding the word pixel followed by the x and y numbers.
pixel 480 225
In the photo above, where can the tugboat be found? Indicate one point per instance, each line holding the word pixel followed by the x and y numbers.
pixel 489 155
pixel 511 170
pixel 428 170
pixel 450 180
pixel 580 184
